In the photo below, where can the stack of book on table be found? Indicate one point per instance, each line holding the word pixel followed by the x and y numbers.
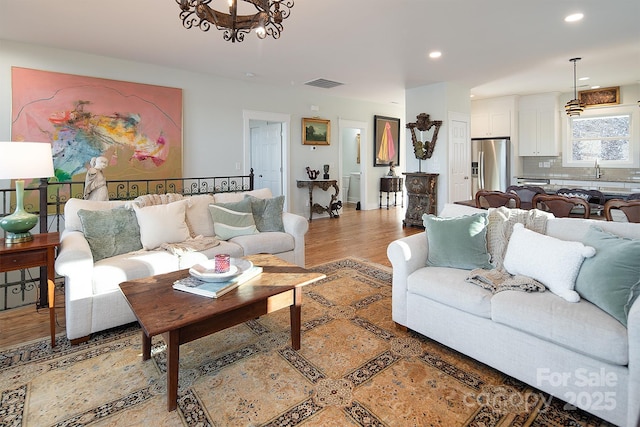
pixel 201 281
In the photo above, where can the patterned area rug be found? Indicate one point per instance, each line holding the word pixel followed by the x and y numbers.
pixel 354 369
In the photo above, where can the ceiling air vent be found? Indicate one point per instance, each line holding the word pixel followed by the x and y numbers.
pixel 323 83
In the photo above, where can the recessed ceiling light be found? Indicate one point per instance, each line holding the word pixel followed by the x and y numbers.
pixel 249 74
pixel 471 96
pixel 574 17
pixel 595 87
pixel 435 54
pixel 584 78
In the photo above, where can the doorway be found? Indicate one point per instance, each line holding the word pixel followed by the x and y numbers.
pixel 266 155
pixel 353 173
pixel 460 157
pixel 266 150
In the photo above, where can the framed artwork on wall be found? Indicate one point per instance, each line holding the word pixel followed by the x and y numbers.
pixel 600 97
pixel 136 127
pixel 316 131
pixel 386 138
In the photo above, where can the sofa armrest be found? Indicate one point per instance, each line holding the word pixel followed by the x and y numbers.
pixel 75 263
pixel 406 255
pixel 633 334
pixel 74 256
pixel 297 226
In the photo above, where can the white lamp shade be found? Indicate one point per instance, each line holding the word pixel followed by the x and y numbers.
pixel 20 160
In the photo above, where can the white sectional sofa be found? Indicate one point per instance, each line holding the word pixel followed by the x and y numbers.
pixel 93 301
pixel 574 351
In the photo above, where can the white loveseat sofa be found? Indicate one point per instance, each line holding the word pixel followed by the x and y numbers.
pixel 93 300
pixel 573 351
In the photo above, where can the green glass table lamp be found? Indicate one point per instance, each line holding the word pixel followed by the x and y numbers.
pixel 20 160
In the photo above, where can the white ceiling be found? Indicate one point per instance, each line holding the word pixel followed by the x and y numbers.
pixel 377 48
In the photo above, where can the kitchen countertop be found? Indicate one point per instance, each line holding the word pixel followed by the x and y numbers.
pixel 581 178
pixel 607 186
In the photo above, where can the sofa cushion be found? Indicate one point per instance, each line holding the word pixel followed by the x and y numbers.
pixel 162 224
pixel 272 242
pixel 72 220
pixel 581 326
pixel 458 242
pixel 225 247
pixel 553 262
pixel 110 272
pixel 261 193
pixel 267 213
pixel 232 219
pixel 611 279
pixel 447 286
pixel 110 232
pixel 198 216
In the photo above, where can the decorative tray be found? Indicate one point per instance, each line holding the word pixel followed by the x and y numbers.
pixel 206 272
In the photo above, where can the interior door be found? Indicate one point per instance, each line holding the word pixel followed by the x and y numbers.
pixel 460 158
pixel 266 155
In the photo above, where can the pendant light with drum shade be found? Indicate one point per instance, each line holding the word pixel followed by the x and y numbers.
pixel 574 107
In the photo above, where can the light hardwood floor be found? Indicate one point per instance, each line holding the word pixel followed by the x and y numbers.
pixel 361 234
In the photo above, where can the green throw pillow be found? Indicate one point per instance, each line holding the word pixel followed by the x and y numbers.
pixel 232 219
pixel 110 232
pixel 459 242
pixel 610 279
pixel 267 213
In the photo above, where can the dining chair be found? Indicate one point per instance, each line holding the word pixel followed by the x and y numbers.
pixel 591 196
pixel 630 208
pixel 634 196
pixel 495 199
pixel 526 193
pixel 595 198
pixel 560 206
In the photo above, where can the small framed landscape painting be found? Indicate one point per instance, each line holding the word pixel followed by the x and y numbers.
pixel 386 141
pixel 316 131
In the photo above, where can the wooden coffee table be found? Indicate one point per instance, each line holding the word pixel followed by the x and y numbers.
pixel 182 317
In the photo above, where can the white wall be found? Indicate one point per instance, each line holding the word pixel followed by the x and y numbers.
pixel 212 111
pixel 437 100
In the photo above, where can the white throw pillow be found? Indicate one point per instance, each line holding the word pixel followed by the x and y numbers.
pixel 162 224
pixel 553 262
pixel 198 217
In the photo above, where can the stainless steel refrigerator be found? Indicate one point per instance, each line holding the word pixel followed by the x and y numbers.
pixel 490 164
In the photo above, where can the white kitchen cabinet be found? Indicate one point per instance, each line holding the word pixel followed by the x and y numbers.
pixel 539 125
pixel 491 118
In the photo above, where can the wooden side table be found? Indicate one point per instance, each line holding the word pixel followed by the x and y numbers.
pixel 324 184
pixel 391 184
pixel 40 252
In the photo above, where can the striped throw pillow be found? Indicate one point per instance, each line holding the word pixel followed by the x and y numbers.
pixel 232 219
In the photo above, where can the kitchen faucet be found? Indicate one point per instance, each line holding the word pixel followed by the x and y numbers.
pixel 598 171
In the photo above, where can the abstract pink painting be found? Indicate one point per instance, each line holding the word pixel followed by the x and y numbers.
pixel 137 127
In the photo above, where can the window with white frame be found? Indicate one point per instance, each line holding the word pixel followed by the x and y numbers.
pixel 607 135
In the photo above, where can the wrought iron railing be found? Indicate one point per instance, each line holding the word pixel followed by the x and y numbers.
pixel 19 288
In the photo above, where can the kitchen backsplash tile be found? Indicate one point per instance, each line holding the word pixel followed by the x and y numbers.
pixel 531 168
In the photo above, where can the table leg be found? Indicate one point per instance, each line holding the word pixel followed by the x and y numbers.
pixel 296 318
pixel 52 310
pixel 146 346
pixel 173 354
pixel 311 202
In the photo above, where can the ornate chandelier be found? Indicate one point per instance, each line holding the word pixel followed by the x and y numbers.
pixel 266 21
pixel 574 107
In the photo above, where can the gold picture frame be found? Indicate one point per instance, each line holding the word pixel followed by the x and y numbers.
pixel 316 131
pixel 600 97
